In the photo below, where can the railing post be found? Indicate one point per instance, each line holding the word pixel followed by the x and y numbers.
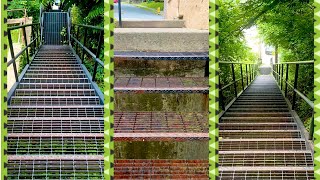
pixel 33 44
pixel 250 73
pixel 120 16
pixel 241 77
pixel 281 75
pixel 26 43
pixel 247 74
pixel 77 39
pixel 295 86
pixel 206 70
pixel 234 81
pixel 36 38
pixel 221 99
pixel 12 56
pixel 84 44
pixel 287 74
pixel 311 129
pixel 97 55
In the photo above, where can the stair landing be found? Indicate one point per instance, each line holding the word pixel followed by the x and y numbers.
pixel 260 139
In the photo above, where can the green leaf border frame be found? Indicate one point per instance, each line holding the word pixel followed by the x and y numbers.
pixel 317 89
pixel 213 90
pixel 108 92
pixel 4 52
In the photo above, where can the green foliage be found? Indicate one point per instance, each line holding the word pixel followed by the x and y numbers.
pixel 76 16
pixel 32 7
pixel 287 24
pixel 232 45
pixel 153 5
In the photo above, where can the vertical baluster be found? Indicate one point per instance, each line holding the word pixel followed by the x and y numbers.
pixel 84 44
pixel 286 83
pixel 12 56
pixel 295 86
pixel 281 75
pixel 241 77
pixel 247 74
pixel 311 129
pixel 26 43
pixel 234 81
pixel 221 99
pixel 97 55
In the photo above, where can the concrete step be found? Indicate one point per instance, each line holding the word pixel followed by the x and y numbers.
pixel 151 24
pixel 160 40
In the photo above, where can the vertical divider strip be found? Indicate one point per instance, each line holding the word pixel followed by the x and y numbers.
pixel 317 89
pixel 108 89
pixel 4 53
pixel 213 90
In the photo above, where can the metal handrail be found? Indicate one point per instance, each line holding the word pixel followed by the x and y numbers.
pixel 278 73
pixel 95 56
pixel 35 43
pixel 247 76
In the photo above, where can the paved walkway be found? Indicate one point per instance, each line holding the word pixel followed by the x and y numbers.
pixel 131 12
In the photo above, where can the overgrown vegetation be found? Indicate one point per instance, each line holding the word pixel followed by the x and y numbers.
pixel 287 25
pixel 88 12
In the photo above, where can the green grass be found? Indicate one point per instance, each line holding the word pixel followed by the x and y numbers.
pixel 15 35
pixel 153 5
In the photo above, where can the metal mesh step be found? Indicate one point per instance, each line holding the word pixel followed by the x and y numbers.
pixel 55 92
pixel 299 159
pixel 54 86
pixel 257 114
pixel 55 169
pixel 161 169
pixel 51 71
pixel 31 75
pixel 55 146
pixel 258 126
pixel 63 68
pixel 161 85
pixel 255 120
pixel 55 80
pixel 80 111
pixel 55 125
pixel 238 134
pixel 265 109
pixel 261 144
pixel 267 174
pixel 55 66
pixel 153 122
pixel 161 55
pixel 53 100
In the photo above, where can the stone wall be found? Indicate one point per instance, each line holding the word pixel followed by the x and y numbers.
pixel 194 12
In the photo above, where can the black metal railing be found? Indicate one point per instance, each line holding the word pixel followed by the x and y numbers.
pixel 282 74
pixel 232 84
pixel 29 49
pixel 82 49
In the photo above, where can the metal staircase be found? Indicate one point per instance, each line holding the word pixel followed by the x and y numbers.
pixel 161 126
pixel 261 139
pixel 55 112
